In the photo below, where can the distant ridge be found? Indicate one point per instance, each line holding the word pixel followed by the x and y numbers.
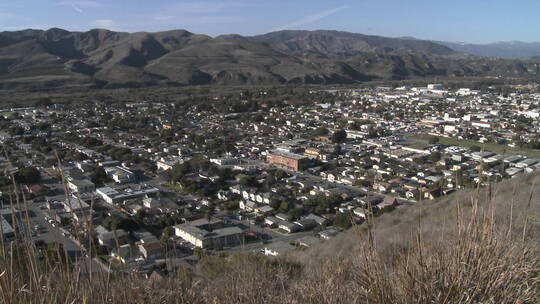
pixel 507 50
pixel 102 58
pixel 335 43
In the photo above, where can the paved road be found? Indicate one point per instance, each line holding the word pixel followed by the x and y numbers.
pixel 56 235
pixel 283 238
pixel 272 234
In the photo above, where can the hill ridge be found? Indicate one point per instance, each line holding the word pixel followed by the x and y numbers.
pixel 56 57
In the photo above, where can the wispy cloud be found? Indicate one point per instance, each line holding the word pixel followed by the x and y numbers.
pixel 205 7
pixel 193 20
pixel 86 4
pixel 103 23
pixel 80 6
pixel 164 18
pixel 13 4
pixel 311 19
pixel 6 16
pixel 202 12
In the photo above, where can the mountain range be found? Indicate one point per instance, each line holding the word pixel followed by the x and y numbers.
pixel 102 58
pixel 508 50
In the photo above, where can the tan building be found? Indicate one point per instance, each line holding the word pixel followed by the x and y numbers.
pixel 312 152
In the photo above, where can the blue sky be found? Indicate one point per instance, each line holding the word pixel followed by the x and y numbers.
pixel 477 21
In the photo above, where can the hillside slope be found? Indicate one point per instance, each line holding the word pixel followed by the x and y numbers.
pixel 471 247
pixel 513 203
pixel 102 58
pixel 338 44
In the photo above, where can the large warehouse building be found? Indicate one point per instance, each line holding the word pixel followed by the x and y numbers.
pixel 291 161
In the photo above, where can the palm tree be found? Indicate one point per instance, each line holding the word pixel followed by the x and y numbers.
pixel 209 211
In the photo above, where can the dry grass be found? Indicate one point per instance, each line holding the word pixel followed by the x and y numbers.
pixel 475 247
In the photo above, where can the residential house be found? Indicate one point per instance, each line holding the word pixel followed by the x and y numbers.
pixel 271 221
pixel 151 251
pixel 289 227
pixel 81 185
pixel 321 221
pixel 111 239
pixel 125 253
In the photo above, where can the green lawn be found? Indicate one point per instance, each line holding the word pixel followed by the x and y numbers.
pixel 420 140
pixel 176 187
pixel 7 115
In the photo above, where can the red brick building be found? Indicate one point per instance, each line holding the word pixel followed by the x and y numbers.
pixel 291 161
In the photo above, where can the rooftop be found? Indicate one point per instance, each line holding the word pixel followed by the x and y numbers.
pixel 287 154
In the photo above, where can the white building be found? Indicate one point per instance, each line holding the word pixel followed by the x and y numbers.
pixel 209 234
pixel 168 163
pixel 480 124
pixel 81 185
pixel 119 195
pixel 120 175
pixel 531 114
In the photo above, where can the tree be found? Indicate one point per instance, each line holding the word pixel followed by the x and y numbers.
pixel 111 222
pixel 209 211
pixel 433 140
pixel 372 133
pixel 43 126
pixel 343 221
pixel 296 213
pixel 269 181
pixel 140 215
pixel 232 205
pixel 275 204
pixel 99 177
pixel 475 148
pixel 284 207
pixel 435 156
pixel 28 175
pixel 179 170
pixel 323 204
pixel 128 225
pixel 420 160
pixel 115 222
pixel 322 131
pixel 339 136
pixel 247 180
pixel 280 174
pixel 165 236
pixel 121 154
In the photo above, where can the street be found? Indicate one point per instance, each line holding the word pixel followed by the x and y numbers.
pixel 58 235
